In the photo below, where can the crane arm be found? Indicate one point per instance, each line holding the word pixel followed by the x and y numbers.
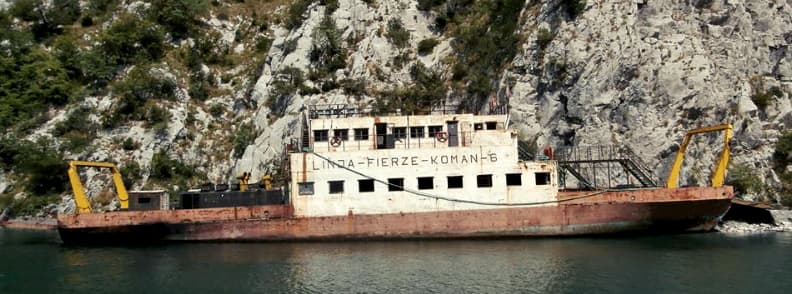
pixel 83 205
pixel 719 174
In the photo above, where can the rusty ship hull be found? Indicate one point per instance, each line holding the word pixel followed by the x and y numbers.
pixel 608 212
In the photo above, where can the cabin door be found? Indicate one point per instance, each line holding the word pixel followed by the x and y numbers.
pixel 453 133
pixel 381 131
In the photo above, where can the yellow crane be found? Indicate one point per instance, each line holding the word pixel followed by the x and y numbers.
pixel 719 174
pixel 83 205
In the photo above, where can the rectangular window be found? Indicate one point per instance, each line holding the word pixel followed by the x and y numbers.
pixel 366 185
pixel 341 133
pixel 336 187
pixel 361 134
pixel 491 125
pixel 400 132
pixel 484 181
pixel 542 178
pixel 416 132
pixel 396 184
pixel 320 135
pixel 425 183
pixel 454 182
pixel 143 200
pixel 513 179
pixel 433 130
pixel 478 126
pixel 306 188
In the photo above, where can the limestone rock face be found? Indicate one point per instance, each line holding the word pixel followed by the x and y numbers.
pixel 641 73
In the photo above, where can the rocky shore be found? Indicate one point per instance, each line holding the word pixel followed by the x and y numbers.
pixel 782 218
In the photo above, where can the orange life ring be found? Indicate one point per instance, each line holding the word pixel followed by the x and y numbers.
pixel 441 136
pixel 335 141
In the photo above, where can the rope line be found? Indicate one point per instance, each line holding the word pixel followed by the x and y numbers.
pixel 450 199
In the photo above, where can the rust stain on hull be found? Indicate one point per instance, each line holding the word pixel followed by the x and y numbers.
pixel 684 209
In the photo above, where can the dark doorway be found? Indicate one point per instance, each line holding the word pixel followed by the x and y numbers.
pixel 453 133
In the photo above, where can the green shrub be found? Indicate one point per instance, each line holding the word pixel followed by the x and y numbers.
pixel 782 156
pixel 139 87
pixel 426 46
pixel 129 144
pixel 263 44
pixel 285 86
pixel 426 5
pixel 762 100
pixel 131 173
pixel 397 34
pixel 43 167
pixel 180 17
pixel 131 39
pixel 77 130
pixel 355 87
pixel 294 15
pixel 574 7
pixel 544 37
pixel 327 52
pixel 217 110
pixel 164 168
pixel 745 180
pixel 245 136
pixel 26 10
pixel 33 205
pixel 330 6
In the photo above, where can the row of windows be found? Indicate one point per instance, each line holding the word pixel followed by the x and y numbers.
pixel 362 134
pixel 424 183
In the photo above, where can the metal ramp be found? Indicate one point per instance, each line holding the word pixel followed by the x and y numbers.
pixel 599 167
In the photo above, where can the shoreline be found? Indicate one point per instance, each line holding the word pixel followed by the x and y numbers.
pixel 36 224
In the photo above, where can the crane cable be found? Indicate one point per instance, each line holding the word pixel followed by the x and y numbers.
pixel 450 199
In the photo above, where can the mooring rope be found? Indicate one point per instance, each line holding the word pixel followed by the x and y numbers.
pixel 451 199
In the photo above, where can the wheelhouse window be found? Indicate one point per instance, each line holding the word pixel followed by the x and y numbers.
pixel 416 132
pixel 425 183
pixel 366 185
pixel 542 178
pixel 400 132
pixel 361 134
pixel 513 179
pixel 341 133
pixel 336 187
pixel 491 125
pixel 306 188
pixel 433 130
pixel 320 135
pixel 454 182
pixel 484 181
pixel 478 126
pixel 396 184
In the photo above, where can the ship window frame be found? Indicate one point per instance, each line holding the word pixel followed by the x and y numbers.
pixel 422 183
pixel 455 186
pixel 395 184
pixel 399 132
pixel 335 189
pixel 484 181
pixel 478 126
pixel 546 178
pixel 491 125
pixel 514 179
pixel 361 134
pixel 367 189
pixel 341 133
pixel 321 135
pixel 433 130
pixel 144 200
pixel 417 132
pixel 305 188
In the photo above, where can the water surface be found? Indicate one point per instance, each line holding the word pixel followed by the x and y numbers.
pixel 691 263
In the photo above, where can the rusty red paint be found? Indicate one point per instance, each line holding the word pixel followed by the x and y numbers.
pixel 611 212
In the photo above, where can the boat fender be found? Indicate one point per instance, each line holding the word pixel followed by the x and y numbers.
pixel 335 141
pixel 441 136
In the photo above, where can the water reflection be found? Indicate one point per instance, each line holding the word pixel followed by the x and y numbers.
pixel 709 263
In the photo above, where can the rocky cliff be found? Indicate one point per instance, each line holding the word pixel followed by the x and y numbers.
pixel 594 72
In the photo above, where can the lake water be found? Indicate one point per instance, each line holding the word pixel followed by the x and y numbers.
pixel 32 262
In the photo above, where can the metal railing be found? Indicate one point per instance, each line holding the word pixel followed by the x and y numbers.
pixel 593 166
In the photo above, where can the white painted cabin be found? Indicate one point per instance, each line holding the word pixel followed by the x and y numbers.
pixel 397 164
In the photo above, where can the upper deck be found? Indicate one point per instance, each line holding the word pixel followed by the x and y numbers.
pixel 333 134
